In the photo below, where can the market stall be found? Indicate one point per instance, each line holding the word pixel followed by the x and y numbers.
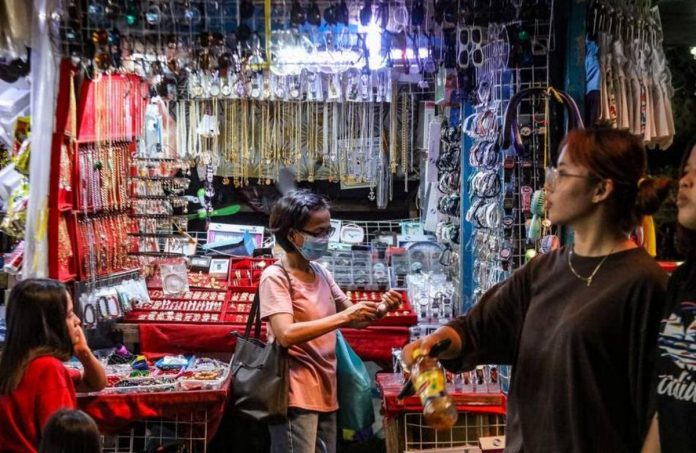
pixel 178 124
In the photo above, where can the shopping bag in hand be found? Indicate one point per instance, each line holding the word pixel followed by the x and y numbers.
pixel 355 413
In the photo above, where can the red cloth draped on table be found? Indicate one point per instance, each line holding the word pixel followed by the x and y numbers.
pixel 372 343
pixel 116 412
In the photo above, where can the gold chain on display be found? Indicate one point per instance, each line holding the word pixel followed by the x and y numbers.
pixel 404 137
pixel 261 136
pixel 393 158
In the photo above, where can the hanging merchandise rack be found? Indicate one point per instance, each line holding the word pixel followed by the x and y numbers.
pixel 503 181
pixel 625 44
pixel 252 89
pixel 92 146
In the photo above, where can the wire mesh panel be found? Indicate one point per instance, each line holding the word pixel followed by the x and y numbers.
pixel 372 229
pixel 375 228
pixel 469 428
pixel 182 434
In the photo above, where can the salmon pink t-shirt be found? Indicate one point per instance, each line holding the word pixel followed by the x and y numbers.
pixel 45 387
pixel 313 363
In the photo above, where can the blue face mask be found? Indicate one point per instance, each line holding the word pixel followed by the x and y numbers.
pixel 313 248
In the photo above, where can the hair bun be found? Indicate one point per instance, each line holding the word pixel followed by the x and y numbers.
pixel 651 193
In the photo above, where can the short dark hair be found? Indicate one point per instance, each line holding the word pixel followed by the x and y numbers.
pixel 291 212
pixel 36 315
pixel 617 155
pixel 70 431
pixel 686 237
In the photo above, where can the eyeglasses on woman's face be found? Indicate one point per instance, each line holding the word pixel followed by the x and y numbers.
pixel 320 234
pixel 554 175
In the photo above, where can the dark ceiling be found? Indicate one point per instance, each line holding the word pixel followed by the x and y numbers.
pixel 678 22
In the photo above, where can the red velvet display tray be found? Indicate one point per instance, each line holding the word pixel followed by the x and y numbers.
pixel 247 271
pixel 195 280
pixel 238 298
pixel 181 308
pixel 390 385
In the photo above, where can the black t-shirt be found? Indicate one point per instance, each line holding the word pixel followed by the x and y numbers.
pixel 583 357
pixel 676 364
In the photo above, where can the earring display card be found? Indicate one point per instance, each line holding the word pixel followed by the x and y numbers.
pixel 193 306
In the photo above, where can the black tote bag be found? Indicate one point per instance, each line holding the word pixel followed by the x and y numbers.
pixel 260 370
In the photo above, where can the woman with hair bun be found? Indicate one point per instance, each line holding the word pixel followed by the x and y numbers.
pixel 578 324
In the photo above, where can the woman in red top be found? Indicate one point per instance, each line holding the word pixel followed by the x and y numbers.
pixel 42 332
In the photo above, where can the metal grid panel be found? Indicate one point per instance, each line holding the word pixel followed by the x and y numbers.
pixel 372 229
pixel 185 433
pixel 468 429
pixel 528 170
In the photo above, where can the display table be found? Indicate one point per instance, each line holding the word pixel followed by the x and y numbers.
pixel 201 410
pixel 480 414
pixel 371 343
pixel 669 266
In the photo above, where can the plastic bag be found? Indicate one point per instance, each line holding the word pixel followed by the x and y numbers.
pixel 355 413
pixel 13 224
pixel 174 278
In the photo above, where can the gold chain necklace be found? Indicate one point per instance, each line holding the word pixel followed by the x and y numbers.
pixel 588 280
pixel 393 156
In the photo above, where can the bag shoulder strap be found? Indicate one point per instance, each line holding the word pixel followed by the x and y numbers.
pixel 254 319
pixel 322 272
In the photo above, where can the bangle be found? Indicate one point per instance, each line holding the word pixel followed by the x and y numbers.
pixel 205 375
pixel 89 315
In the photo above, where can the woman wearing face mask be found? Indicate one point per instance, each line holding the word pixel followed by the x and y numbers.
pixel 303 307
pixel 676 362
pixel 577 324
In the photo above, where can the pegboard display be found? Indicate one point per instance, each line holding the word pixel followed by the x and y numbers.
pixel 503 182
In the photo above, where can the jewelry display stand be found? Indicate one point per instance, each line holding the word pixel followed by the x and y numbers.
pixel 501 213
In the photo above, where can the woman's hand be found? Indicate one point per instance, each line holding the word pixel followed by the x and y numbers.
pixel 361 313
pixel 391 300
pixel 94 376
pixel 80 347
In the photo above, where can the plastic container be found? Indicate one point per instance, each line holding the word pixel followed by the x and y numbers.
pixel 428 380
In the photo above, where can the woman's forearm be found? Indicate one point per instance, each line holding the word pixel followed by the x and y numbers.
pixel 652 440
pixel 94 377
pixel 292 333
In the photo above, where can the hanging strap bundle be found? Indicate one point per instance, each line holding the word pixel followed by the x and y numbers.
pixel 511 131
